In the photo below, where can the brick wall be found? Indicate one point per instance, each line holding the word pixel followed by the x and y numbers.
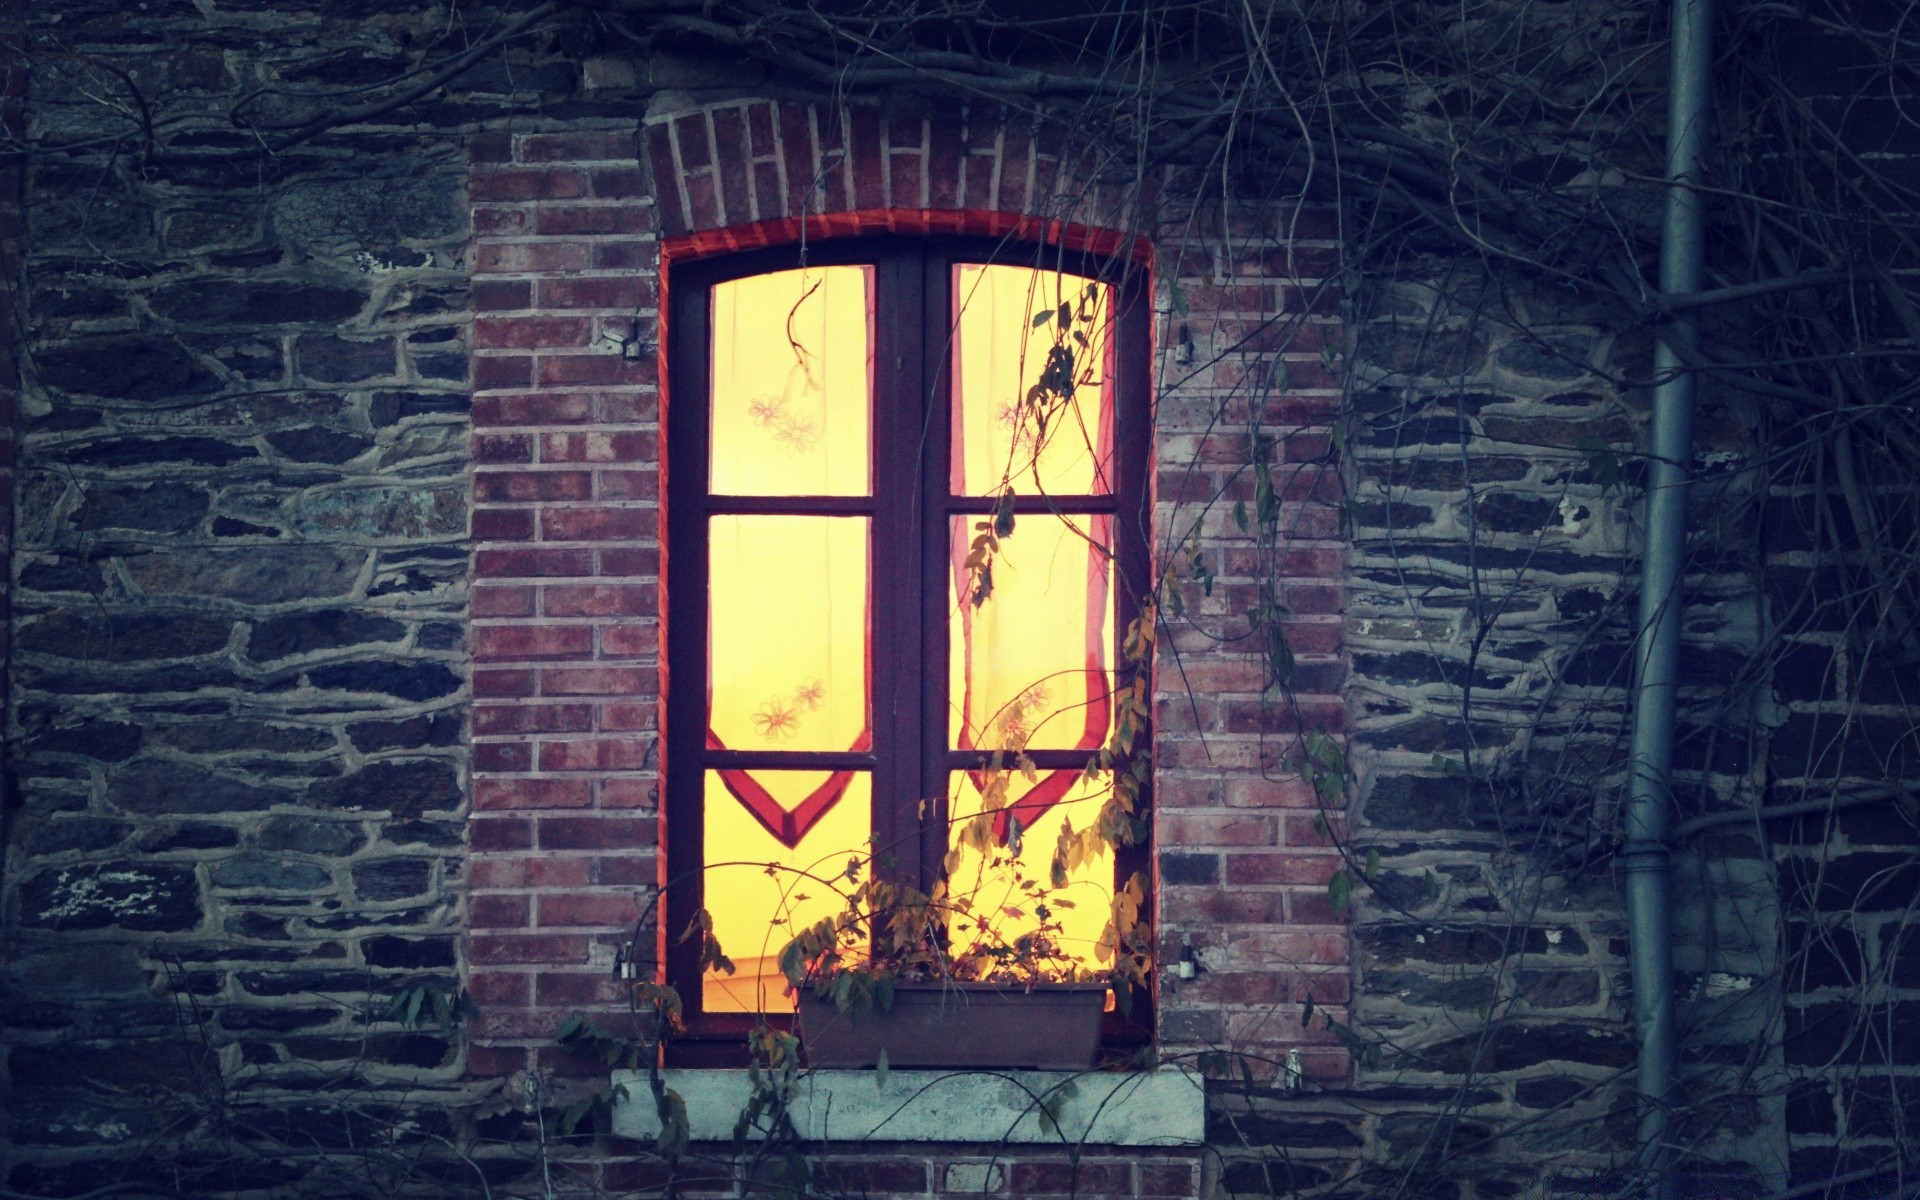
pixel 566 551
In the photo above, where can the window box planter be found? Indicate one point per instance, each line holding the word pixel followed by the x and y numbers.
pixel 1050 1027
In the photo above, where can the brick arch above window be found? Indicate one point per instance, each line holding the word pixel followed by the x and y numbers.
pixel 744 175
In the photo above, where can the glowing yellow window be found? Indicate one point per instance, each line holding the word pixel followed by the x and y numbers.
pixel 850 682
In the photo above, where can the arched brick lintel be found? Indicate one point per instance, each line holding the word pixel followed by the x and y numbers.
pixel 753 173
pixel 1013 227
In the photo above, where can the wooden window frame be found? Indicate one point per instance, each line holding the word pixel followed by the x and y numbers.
pixel 910 427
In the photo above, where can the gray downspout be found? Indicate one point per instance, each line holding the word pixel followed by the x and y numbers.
pixel 1649 922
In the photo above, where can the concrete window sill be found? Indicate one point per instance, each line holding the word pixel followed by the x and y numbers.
pixel 1164 1107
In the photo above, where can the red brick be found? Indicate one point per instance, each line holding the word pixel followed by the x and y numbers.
pixel 1278 792
pixel 489 719
pixel 495 1062
pixel 502 525
pixel 1169 1179
pixel 1223 906
pixel 499 912
pixel 703 202
pixel 531 563
pixel 628 792
pixel 731 149
pixel 631 560
pixel 626 256
pixel 532 409
pixel 1314 598
pixel 629 718
pixel 630 639
pixel 503 756
pixel 522 183
pixel 495 371
pixel 560 370
pixel 526 333
pixel 627 869
pixel 599 600
pixel 583 446
pixel 536 871
pixel 502 448
pixel 572 910
pixel 1312 907
pixel 592 681
pixel 495 682
pixel 596 146
pixel 555 220
pixel 621 292
pixel 597 833
pixel 1210 829
pixel 576 989
pixel 528 793
pixel 616 183
pixel 499 833
pixel 598 524
pixel 796 156
pixel 494 643
pixel 628 485
pixel 596 754
pixel 496 600
pixel 1293 866
pixel 1317 829
pixel 502 295
pixel 1090 1179
pixel 526 948
pixel 524 258
pixel 502 220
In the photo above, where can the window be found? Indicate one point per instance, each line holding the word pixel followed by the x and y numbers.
pixel 839 432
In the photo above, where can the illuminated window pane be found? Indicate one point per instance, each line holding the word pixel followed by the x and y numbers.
pixel 755 909
pixel 1033 402
pixel 998 886
pixel 1028 668
pixel 792 383
pixel 787 636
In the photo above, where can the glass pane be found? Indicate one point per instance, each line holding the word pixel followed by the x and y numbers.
pixel 792 383
pixel 777 848
pixel 1033 403
pixel 1005 891
pixel 787 634
pixel 1028 665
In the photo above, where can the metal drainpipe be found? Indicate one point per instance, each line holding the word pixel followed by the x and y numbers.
pixel 1649 921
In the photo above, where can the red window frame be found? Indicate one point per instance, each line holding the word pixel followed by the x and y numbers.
pixel 911 509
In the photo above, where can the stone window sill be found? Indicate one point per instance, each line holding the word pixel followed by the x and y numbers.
pixel 1164 1107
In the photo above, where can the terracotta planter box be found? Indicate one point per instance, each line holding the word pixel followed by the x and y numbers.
pixel 1054 1026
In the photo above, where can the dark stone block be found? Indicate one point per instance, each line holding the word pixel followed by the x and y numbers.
pixel 1550 1092
pixel 107 741
pixel 1425 803
pixel 294 983
pixel 1513 1046
pixel 123 637
pixel 176 1063
pixel 62 837
pixel 1810 1108
pixel 387 950
pixel 151 897
pixel 1449 990
pixel 236 302
pixel 1900 954
pixel 1559 989
pixel 77 972
pixel 408 681
pixel 1278 1176
pixel 64 574
pixel 1600 664
pixel 1452 944
pixel 441 835
pixel 257 925
pixel 1417 667
pixel 315 443
pixel 328 359
pixel 373 211
pixel 282 637
pixel 1510 512
pixel 1865 881
pixel 436 729
pixel 154 508
pixel 276 1020
pixel 1260 1129
pixel 135 451
pixel 214 737
pixel 450 367
pixel 392 878
pixel 1385 514
pixel 272 872
pixel 162 786
pixel 228 527
pixel 1822 1034
pixel 309 835
pixel 402 788
pixel 1820 957
pixel 125 368
pixel 1580 604
pixel 389 408
pixel 192 836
